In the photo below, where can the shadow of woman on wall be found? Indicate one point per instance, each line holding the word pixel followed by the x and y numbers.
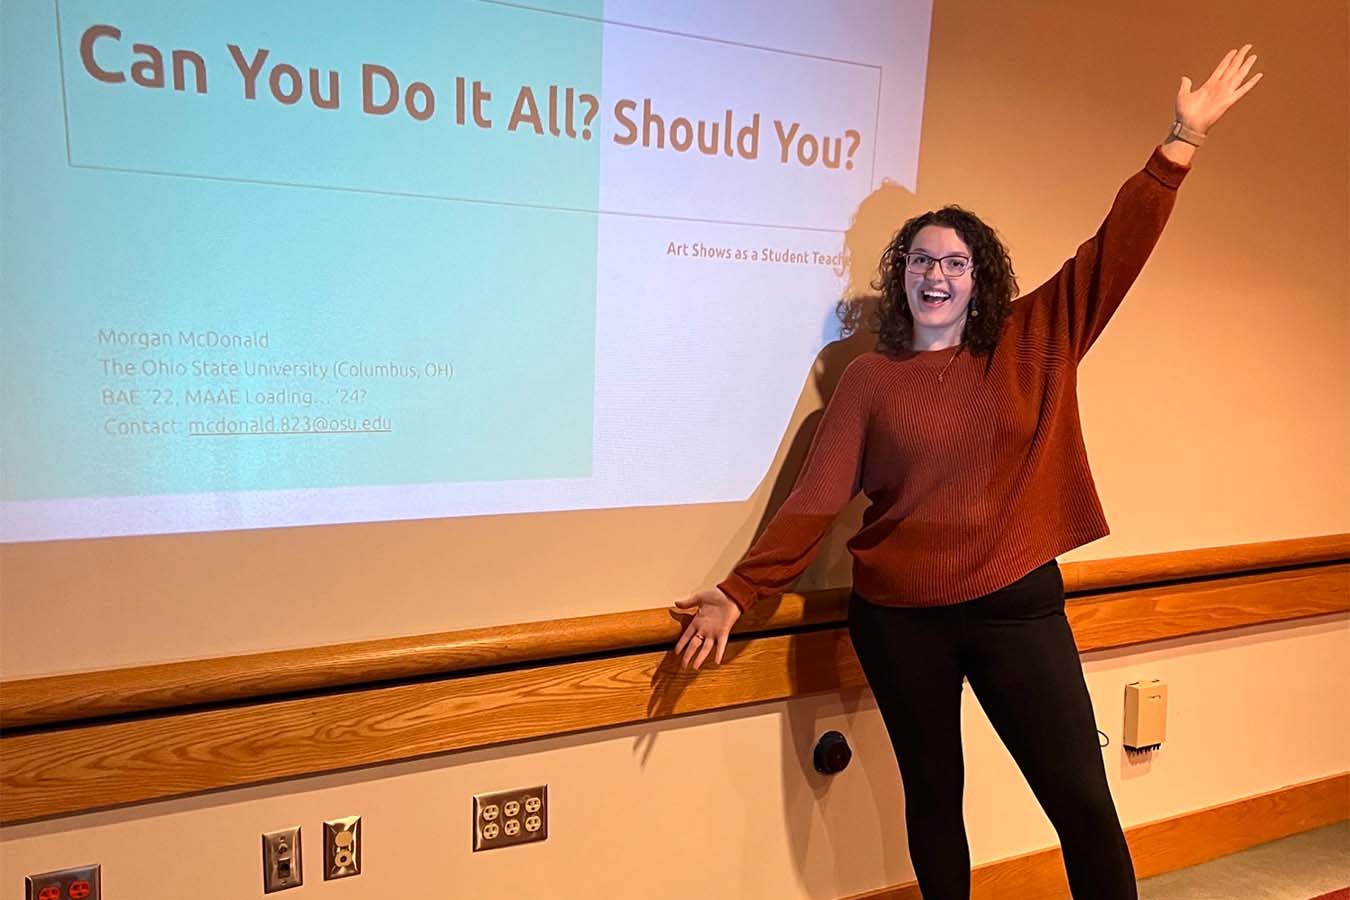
pixel 871 228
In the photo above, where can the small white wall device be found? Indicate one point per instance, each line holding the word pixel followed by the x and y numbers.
pixel 1145 715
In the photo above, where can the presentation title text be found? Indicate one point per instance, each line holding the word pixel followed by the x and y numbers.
pixel 562 112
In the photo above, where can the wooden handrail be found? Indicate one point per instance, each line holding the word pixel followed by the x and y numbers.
pixel 60 699
pixel 75 767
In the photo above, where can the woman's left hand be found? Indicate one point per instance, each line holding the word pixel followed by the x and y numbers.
pixel 1200 109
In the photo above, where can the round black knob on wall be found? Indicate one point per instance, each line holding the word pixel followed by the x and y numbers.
pixel 832 753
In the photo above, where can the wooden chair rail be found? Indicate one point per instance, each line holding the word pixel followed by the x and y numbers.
pixel 59 770
pixel 53 700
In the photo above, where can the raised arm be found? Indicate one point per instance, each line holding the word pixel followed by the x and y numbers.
pixel 1091 285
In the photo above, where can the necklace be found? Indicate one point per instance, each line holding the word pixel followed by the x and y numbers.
pixel 943 373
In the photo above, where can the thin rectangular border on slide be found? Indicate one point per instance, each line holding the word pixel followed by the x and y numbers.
pixel 65 118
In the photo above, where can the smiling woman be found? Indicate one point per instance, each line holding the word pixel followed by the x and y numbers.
pixel 978 480
pixel 979 293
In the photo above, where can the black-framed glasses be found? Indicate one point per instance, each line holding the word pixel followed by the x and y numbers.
pixel 952 265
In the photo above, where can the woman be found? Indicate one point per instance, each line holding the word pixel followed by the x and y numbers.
pixel 963 431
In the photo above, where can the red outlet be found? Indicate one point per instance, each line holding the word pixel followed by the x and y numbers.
pixel 78 883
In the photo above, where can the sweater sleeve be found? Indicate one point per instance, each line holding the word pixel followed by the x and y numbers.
pixel 829 478
pixel 1090 286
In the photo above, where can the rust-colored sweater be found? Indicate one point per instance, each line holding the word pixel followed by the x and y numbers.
pixel 974 479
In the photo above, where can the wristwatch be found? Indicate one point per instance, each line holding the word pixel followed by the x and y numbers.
pixel 1189 135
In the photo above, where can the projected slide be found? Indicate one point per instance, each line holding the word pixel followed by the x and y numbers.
pixel 285 264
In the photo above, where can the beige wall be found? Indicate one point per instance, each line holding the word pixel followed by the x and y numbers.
pixel 1215 411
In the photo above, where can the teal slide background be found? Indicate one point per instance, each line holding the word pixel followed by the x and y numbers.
pixel 366 260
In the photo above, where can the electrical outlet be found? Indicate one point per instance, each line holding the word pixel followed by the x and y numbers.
pixel 341 848
pixel 505 818
pixel 281 860
pixel 81 883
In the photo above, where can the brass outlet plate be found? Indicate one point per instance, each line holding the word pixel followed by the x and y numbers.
pixel 341 848
pixel 281 860
pixel 80 883
pixel 507 818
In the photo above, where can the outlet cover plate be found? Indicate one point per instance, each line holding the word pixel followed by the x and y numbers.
pixel 80 883
pixel 341 848
pixel 281 860
pixel 506 818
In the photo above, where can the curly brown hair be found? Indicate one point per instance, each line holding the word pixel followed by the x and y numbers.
pixel 993 293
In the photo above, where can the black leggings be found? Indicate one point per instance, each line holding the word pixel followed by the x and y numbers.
pixel 1016 649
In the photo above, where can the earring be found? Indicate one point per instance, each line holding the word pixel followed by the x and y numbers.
pixel 974 310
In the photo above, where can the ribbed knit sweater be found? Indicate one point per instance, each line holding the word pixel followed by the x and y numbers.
pixel 977 478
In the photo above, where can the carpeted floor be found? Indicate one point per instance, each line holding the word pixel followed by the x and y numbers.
pixel 1314 865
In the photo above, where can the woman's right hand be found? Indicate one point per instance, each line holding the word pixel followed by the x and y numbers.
pixel 713 614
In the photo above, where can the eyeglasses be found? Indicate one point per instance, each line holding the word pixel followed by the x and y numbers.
pixel 952 266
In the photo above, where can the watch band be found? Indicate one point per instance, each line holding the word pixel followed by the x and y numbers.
pixel 1189 135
